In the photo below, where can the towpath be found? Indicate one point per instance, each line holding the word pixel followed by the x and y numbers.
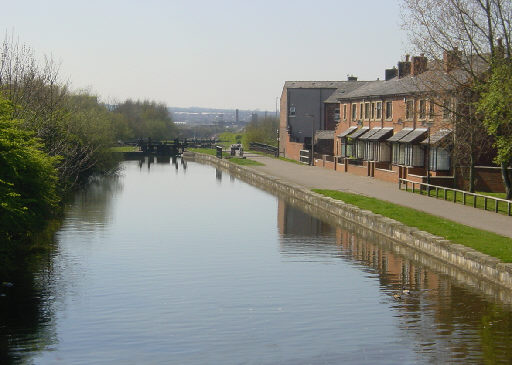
pixel 321 178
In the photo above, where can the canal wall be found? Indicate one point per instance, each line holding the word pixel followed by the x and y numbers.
pixel 463 260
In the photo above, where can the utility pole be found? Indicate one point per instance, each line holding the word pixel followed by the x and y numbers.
pixel 312 162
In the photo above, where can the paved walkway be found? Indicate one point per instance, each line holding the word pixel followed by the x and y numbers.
pixel 321 178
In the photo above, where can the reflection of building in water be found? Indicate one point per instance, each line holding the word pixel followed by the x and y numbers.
pixel 293 221
pixel 392 268
pixel 447 319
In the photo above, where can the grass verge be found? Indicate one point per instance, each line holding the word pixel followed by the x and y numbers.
pixel 207 151
pixel 486 242
pixel 245 161
pixel 280 158
pixel 237 160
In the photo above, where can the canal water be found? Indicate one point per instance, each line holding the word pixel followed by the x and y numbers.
pixel 185 264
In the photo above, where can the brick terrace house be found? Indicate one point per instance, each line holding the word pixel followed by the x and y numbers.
pixel 385 125
pixel 307 107
pixel 399 127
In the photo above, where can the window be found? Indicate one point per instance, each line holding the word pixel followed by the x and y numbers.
pixel 409 109
pixel 423 109
pixel 439 159
pixel 366 110
pixel 446 108
pixel 414 155
pixel 361 111
pixel 354 112
pixel 291 112
pixel 379 109
pixel 373 110
pixel 389 110
pixel 336 114
pixel 344 111
pixel 431 110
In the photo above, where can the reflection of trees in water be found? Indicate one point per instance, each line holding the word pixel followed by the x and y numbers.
pixel 92 207
pixel 447 321
pixel 27 308
pixel 25 316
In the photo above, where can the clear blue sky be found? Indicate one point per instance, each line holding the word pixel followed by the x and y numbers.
pixel 225 54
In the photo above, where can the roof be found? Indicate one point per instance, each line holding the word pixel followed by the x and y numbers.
pixel 381 134
pixel 400 134
pixel 347 131
pixel 344 88
pixel 324 134
pixel 359 132
pixel 370 133
pixel 314 84
pixel 437 136
pixel 425 82
pixel 414 136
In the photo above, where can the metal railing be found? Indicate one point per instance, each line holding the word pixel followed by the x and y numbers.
pixel 265 148
pixel 420 186
pixel 305 156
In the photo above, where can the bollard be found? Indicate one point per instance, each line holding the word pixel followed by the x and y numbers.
pixel 241 152
pixel 218 151
pixel 233 151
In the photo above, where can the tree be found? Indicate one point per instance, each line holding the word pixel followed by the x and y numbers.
pixel 466 34
pixel 143 119
pixel 496 107
pixel 262 131
pixel 28 179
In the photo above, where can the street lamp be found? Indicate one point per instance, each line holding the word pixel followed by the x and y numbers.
pixel 312 162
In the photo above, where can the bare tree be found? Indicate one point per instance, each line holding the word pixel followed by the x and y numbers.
pixel 466 35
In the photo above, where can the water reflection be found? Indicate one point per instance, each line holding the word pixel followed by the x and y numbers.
pixel 446 321
pixel 162 267
pixel 26 321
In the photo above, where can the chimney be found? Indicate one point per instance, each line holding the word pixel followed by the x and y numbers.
pixel 451 60
pixel 391 73
pixel 419 64
pixel 404 67
pixel 352 78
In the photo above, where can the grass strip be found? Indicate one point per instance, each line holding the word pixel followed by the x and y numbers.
pixel 486 242
pixel 245 161
pixel 208 151
pixel 237 160
pixel 279 158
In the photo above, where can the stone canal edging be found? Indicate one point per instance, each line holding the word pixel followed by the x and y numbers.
pixel 463 257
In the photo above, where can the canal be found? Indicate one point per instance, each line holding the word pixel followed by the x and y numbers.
pixel 185 264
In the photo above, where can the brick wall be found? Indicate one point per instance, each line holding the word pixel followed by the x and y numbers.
pixel 292 149
pixel 386 175
pixel 329 165
pixel 488 179
pixel 357 170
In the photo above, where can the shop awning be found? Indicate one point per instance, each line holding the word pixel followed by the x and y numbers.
pixel 400 134
pixel 370 133
pixel 437 136
pixel 416 135
pixel 347 131
pixel 359 132
pixel 383 133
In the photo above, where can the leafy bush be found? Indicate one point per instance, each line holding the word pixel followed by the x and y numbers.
pixel 28 179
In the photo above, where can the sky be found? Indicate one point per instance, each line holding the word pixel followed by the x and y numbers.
pixel 218 54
